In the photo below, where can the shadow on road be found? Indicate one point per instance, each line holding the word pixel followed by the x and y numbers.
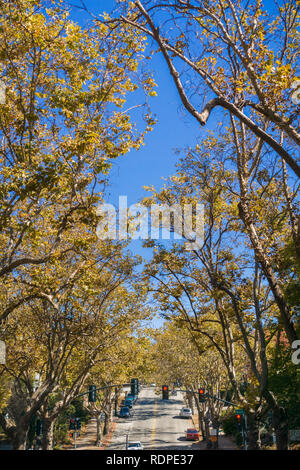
pixel 182 439
pixel 163 445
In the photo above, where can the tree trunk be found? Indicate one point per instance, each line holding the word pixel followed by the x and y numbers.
pixel 20 437
pixel 207 433
pixel 99 430
pixel 201 425
pixel 280 423
pixel 262 257
pixel 253 433
pixel 106 424
pixel 190 401
pixel 48 434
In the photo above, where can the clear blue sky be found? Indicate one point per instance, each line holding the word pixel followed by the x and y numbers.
pixel 146 167
pixel 174 129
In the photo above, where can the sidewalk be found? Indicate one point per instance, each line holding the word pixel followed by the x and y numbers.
pixel 224 442
pixel 87 440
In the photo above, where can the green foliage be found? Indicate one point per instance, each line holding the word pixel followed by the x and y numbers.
pixel 75 410
pixel 229 426
pixel 284 382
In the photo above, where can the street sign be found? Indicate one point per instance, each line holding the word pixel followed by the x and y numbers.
pixel 2 352
pixel 239 412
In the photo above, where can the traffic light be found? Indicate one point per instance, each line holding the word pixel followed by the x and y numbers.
pixel 92 393
pixel 239 418
pixel 77 423
pixel 201 394
pixel 135 388
pixel 72 424
pixel 165 392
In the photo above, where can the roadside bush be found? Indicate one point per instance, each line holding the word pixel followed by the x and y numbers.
pixel 230 429
pixel 228 425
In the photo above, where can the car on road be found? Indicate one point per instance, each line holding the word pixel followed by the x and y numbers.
pixel 192 434
pixel 153 385
pixel 128 403
pixel 124 412
pixel 132 397
pixel 135 446
pixel 185 413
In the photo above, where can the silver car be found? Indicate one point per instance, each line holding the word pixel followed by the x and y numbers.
pixel 135 446
pixel 185 413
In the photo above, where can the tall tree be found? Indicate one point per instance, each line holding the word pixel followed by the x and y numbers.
pixel 228 47
pixel 63 121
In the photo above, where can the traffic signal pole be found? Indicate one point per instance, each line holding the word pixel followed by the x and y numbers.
pixel 245 433
pixel 242 426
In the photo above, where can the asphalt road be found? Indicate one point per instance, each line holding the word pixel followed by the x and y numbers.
pixel 154 422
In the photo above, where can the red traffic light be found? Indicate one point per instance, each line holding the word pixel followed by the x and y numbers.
pixel 239 417
pixel 202 397
pixel 165 392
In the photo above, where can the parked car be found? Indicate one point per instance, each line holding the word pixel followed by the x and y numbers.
pixel 129 397
pixel 192 434
pixel 132 397
pixel 128 403
pixel 135 446
pixel 185 413
pixel 124 412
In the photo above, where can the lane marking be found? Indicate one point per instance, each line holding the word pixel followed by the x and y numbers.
pixel 154 424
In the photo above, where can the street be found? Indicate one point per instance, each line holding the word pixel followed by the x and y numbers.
pixel 155 423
